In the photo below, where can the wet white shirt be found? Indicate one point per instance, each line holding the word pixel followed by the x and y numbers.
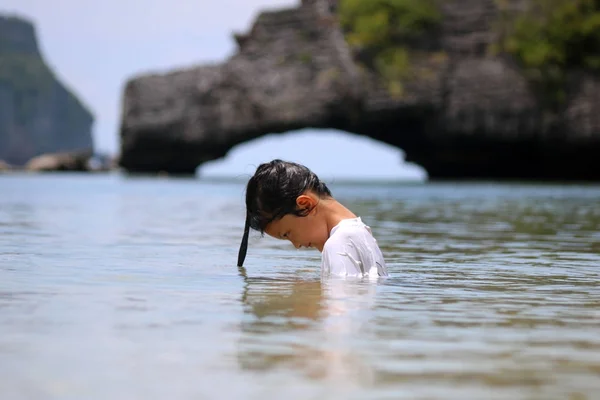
pixel 351 250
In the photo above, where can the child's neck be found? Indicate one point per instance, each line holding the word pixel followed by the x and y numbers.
pixel 334 213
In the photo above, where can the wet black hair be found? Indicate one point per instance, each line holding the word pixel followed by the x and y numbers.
pixel 271 194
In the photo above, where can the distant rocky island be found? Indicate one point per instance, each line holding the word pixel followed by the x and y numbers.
pixel 466 88
pixel 38 114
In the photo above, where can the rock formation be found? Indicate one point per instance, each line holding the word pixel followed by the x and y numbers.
pixel 4 166
pixel 70 161
pixel 464 114
pixel 37 113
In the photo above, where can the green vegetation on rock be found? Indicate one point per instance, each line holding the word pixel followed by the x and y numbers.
pixel 550 38
pixel 28 77
pixel 383 30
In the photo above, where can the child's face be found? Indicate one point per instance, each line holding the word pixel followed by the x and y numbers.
pixel 308 231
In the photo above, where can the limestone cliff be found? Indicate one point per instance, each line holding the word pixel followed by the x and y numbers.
pixel 37 113
pixel 463 114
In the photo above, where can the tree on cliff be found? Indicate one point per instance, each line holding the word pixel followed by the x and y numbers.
pixel 547 39
pixel 380 31
pixel 551 38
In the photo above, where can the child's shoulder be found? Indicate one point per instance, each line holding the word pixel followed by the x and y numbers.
pixel 349 230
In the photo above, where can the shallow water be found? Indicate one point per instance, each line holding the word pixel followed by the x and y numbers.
pixel 126 288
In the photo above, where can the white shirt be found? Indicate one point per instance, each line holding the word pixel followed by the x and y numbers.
pixel 351 250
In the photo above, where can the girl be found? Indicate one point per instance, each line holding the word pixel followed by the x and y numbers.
pixel 288 201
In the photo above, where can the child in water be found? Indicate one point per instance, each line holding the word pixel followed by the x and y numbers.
pixel 289 202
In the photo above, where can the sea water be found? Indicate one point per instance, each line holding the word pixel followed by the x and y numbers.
pixel 116 287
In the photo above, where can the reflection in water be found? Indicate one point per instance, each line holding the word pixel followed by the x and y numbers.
pixel 306 327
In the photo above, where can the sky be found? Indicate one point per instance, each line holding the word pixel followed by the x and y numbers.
pixel 95 46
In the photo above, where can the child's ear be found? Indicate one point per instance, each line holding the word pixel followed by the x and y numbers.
pixel 305 202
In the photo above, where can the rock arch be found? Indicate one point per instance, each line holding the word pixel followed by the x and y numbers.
pixel 464 115
pixel 334 155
